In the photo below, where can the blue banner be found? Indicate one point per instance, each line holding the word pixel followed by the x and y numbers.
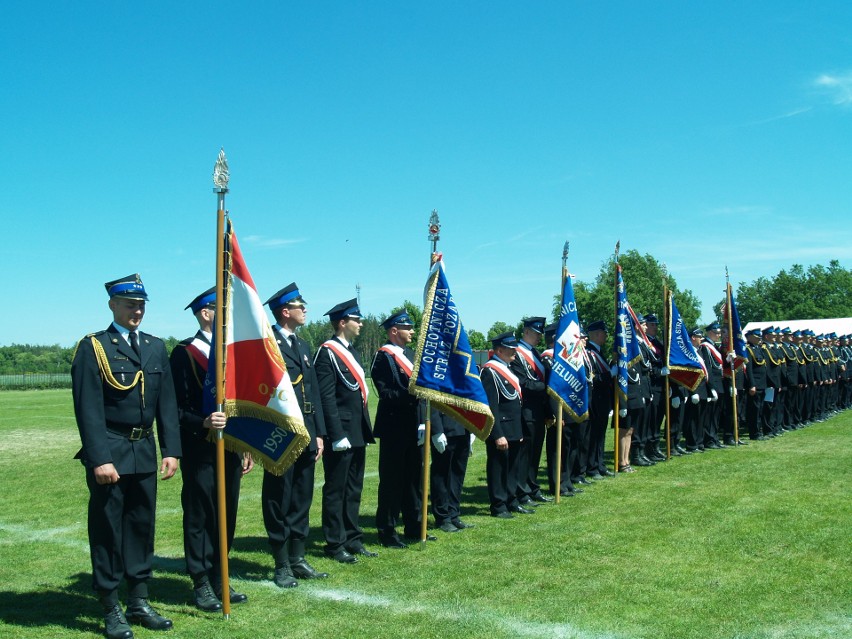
pixel 737 337
pixel 627 331
pixel 444 369
pixel 685 366
pixel 568 383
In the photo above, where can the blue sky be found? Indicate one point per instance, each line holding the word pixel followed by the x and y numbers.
pixel 704 134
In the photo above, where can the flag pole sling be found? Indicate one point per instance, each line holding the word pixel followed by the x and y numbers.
pixel 220 190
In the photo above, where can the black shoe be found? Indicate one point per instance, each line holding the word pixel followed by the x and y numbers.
pixel 392 541
pixel 528 502
pixel 360 550
pixel 521 510
pixel 730 442
pixel 116 624
pixel 640 461
pixel 341 556
pixel 449 527
pixel 233 596
pixel 713 445
pixel 503 515
pixel 206 599
pixel 582 480
pixel 650 461
pixel 303 570
pixel 283 577
pixel 606 472
pixel 679 449
pixel 741 443
pixel 595 476
pixel 567 493
pixel 461 525
pixel 576 490
pixel 140 612
pixel 540 497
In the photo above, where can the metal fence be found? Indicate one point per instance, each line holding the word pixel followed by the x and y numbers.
pixel 24 381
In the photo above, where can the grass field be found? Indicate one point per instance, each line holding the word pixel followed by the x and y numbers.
pixel 747 543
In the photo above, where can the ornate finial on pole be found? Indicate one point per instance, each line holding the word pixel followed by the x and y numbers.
pixel 221 175
pixel 617 249
pixel 358 292
pixel 726 273
pixel 434 229
pixel 565 254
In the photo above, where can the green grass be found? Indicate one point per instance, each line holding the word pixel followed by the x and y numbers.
pixel 746 543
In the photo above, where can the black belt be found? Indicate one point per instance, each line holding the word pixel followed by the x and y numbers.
pixel 133 433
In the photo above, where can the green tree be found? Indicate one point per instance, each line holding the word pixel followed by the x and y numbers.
pixel 477 340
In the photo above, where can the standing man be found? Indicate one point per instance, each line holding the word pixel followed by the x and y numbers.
pixel 693 414
pixel 657 407
pixel 600 398
pixel 713 364
pixel 450 453
pixel 503 445
pixel 286 499
pixel 343 392
pixel 755 384
pixel 400 428
pixel 121 382
pixel 198 496
pixel 529 369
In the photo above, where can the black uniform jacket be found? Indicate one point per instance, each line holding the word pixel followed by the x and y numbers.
pixel 103 412
pixel 303 376
pixel 399 413
pixel 505 406
pixel 343 408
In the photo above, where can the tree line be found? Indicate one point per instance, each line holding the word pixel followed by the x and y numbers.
pixel 818 292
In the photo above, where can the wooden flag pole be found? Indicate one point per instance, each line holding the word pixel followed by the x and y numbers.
pixel 667 387
pixel 220 181
pixel 730 320
pixel 434 236
pixel 559 411
pixel 615 418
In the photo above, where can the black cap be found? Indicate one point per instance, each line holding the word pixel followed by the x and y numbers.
pixel 506 339
pixel 348 308
pixel 535 323
pixel 288 295
pixel 207 298
pixel 550 331
pixel 401 319
pixel 650 318
pixel 129 287
pixel 600 325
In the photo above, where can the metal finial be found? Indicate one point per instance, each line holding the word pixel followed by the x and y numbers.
pixel 221 175
pixel 434 226
pixel 617 249
pixel 565 250
pixel 665 269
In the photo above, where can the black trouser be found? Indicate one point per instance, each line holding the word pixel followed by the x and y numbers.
pixel 529 458
pixel 693 429
pixel 400 476
pixel 286 504
pixel 341 497
pixel 121 532
pixel 754 413
pixel 447 478
pixel 501 473
pixel 199 499
pixel 710 421
pixel 598 421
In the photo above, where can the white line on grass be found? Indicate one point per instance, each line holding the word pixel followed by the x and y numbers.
pixel 22 534
pixel 514 626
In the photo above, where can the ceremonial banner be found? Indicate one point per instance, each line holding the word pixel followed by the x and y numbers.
pixel 735 330
pixel 568 384
pixel 628 332
pixel 263 415
pixel 444 370
pixel 685 366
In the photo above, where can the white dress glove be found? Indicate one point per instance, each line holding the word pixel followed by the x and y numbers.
pixel 622 412
pixel 439 441
pixel 664 370
pixel 675 402
pixel 695 398
pixel 715 395
pixel 341 444
pixel 421 434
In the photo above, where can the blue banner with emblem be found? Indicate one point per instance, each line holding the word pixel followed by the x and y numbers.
pixel 444 369
pixel 627 335
pixel 568 383
pixel 736 335
pixel 685 366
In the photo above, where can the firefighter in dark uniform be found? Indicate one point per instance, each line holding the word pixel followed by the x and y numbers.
pixel 755 385
pixel 529 369
pixel 198 465
pixel 400 427
pixel 450 454
pixel 504 393
pixel 600 398
pixel 713 362
pixel 121 382
pixel 774 381
pixel 726 420
pixel 343 391
pixel 286 499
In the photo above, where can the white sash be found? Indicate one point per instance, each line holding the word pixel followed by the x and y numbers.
pixel 503 371
pixel 533 365
pixel 399 357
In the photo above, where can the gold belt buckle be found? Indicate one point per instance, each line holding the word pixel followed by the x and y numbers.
pixel 309 408
pixel 136 433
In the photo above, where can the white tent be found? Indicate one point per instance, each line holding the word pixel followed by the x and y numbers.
pixel 839 325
